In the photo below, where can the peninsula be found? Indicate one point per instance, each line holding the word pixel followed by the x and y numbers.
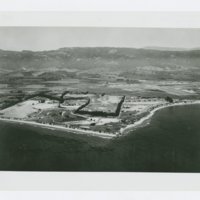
pixel 100 115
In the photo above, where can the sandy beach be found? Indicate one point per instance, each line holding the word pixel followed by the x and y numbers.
pixel 54 127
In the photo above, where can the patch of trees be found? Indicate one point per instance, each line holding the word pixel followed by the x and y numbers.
pixel 82 106
pixel 169 99
pixel 101 113
pixel 62 95
pixel 119 106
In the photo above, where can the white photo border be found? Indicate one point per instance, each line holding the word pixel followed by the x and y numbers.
pixel 95 181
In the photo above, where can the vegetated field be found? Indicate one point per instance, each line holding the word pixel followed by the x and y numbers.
pixel 103 103
pixel 96 121
pixel 24 109
pixel 108 128
pixel 73 104
pixel 64 81
pixel 139 105
pixel 134 108
pixel 34 86
pixel 77 95
pixel 55 116
pixel 170 87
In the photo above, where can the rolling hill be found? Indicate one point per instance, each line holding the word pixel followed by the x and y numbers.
pixel 148 62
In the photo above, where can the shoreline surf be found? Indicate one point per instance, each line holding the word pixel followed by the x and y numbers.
pixel 54 127
pixel 123 131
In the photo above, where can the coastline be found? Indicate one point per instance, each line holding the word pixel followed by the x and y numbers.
pixel 76 131
pixel 123 131
pixel 152 112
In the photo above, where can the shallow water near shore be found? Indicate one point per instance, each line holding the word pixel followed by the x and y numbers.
pixel 170 143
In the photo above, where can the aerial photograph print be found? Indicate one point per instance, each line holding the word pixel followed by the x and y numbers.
pixel 99 99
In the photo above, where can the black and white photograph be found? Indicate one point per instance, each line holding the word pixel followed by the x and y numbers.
pixel 99 99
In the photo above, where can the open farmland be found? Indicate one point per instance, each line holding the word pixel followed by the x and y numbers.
pixel 73 104
pixel 139 105
pixel 135 108
pixel 95 121
pixel 77 95
pixel 54 116
pixel 103 103
pixel 24 109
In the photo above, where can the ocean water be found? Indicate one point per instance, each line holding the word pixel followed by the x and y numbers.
pixel 170 143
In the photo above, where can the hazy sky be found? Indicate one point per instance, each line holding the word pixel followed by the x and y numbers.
pixel 38 38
